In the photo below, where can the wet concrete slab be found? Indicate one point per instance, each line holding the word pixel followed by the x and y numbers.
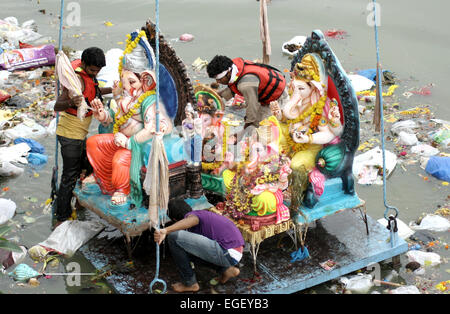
pixel 340 237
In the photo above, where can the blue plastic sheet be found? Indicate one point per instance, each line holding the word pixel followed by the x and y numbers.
pixel 439 167
pixel 300 255
pixel 37 159
pixel 35 146
pixel 371 74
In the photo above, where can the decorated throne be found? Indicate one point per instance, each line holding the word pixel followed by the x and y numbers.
pixel 334 161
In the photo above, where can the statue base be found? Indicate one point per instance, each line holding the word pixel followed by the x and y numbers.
pixel 177 181
pixel 194 186
pixel 256 222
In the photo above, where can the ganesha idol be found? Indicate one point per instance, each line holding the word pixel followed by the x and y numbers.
pixel 310 121
pixel 255 187
pixel 209 108
pixel 117 158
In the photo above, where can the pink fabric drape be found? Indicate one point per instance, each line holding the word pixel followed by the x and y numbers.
pixel 111 163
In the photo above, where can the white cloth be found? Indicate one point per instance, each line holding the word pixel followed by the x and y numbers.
pixel 236 255
pixel 156 183
pixel 15 153
pixel 69 79
pixel 234 71
pixel 69 236
pixel 137 61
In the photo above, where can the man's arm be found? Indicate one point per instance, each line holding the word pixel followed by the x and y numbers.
pixel 105 90
pixel 186 223
pixel 226 93
pixel 250 92
pixel 63 101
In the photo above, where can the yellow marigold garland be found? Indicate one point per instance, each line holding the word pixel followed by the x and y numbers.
pixel 314 112
pixel 120 121
pixel 208 166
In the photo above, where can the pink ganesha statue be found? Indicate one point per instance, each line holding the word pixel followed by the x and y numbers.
pixel 255 186
pixel 309 121
pixel 117 158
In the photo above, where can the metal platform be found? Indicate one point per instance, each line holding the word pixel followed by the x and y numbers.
pixel 131 222
pixel 340 237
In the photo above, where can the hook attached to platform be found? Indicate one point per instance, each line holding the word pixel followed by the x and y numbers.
pixel 393 228
pixel 156 279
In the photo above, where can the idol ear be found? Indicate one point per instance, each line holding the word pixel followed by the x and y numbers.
pixel 148 81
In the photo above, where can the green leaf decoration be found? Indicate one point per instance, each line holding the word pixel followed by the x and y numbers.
pixel 9 246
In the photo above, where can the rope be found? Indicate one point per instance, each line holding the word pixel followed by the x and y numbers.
pixel 157 142
pixel 379 73
pixel 55 169
pixel 157 64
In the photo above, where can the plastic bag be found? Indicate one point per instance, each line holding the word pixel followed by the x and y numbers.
pixel 35 147
pixel 9 258
pixel 38 253
pixel 405 138
pixel 18 102
pixel 186 37
pixel 433 223
pixel 406 290
pixel 4 75
pixel 441 136
pixel 424 150
pixel 26 58
pixel 406 125
pixel 292 46
pixel 7 169
pixel 371 74
pixel 403 232
pixel 13 33
pixel 30 24
pixel 360 283
pixel 69 236
pixel 366 167
pixel 69 79
pixel 360 83
pixel 7 210
pixel 439 167
pixel 4 96
pixel 199 64
pixel 22 130
pixel 15 153
pixel 110 73
pixel 424 258
pixel 12 20
pixel 51 129
pixel 37 159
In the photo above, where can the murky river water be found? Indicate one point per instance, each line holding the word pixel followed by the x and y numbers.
pixel 413 44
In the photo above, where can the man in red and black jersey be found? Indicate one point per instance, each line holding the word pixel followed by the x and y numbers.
pixel 71 131
pixel 258 83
